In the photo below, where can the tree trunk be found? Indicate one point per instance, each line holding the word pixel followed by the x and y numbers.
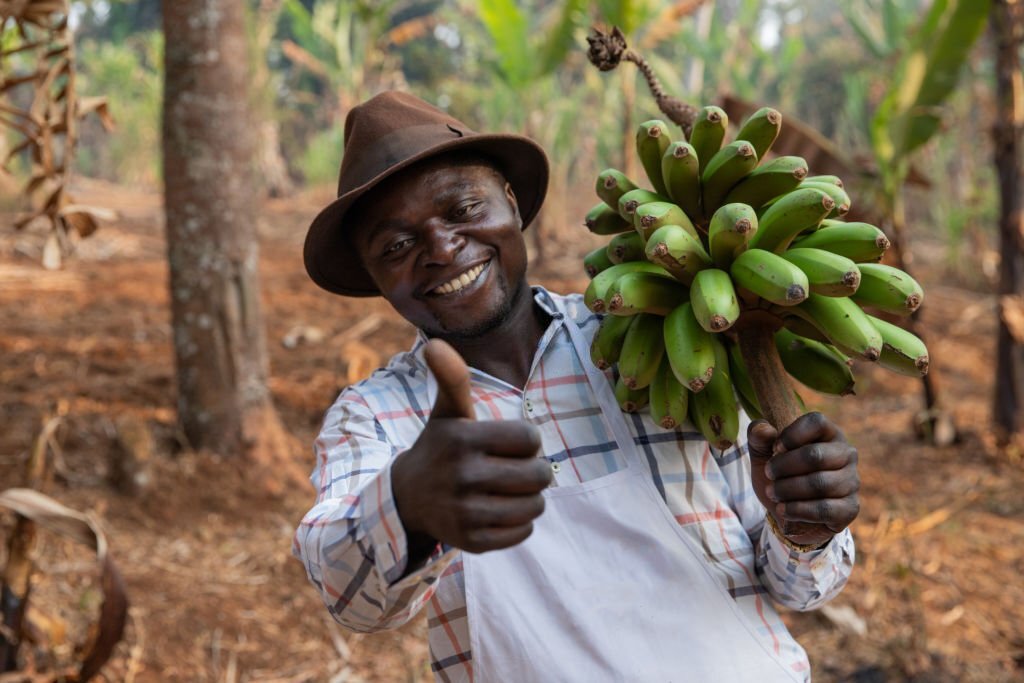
pixel 1007 26
pixel 208 144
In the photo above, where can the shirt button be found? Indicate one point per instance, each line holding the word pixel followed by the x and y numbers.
pixel 556 468
pixel 529 406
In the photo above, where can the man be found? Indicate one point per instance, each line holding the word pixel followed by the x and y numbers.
pixel 489 474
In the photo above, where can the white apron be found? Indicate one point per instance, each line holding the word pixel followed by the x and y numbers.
pixel 608 588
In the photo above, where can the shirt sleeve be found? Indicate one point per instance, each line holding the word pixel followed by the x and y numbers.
pixel 352 542
pixel 798 580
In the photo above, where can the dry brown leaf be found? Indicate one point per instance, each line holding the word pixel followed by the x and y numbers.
pixel 98 106
pixel 1011 312
pixel 99 212
pixel 48 513
pixel 81 222
pixel 52 257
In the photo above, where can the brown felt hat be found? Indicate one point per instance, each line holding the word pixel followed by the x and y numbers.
pixel 386 134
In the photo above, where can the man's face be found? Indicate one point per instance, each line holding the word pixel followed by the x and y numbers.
pixel 443 241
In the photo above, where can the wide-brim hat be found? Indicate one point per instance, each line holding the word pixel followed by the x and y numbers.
pixel 386 134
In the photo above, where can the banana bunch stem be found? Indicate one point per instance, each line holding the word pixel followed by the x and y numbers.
pixel 755 335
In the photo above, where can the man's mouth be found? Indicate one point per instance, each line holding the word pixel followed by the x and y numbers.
pixel 467 278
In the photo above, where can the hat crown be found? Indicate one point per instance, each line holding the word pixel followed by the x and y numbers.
pixel 388 129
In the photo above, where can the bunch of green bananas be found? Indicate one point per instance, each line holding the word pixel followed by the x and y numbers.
pixel 720 235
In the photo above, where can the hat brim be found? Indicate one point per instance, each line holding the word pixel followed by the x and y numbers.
pixel 333 264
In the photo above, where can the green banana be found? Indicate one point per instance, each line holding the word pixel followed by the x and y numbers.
pixel 681 171
pixel 830 179
pixel 652 215
pixel 859 242
pixel 678 251
pixel 612 184
pixel 635 293
pixel 601 220
pixel 714 410
pixel 761 129
pixel 652 139
pixel 731 229
pixel 689 348
pixel 642 350
pixel 596 295
pixel 714 300
pixel 741 380
pixel 629 246
pixel 630 400
pixel 802 327
pixel 708 133
pixel 888 289
pixel 634 198
pixel 768 181
pixel 836 192
pixel 770 276
pixel 669 399
pixel 843 323
pixel 902 351
pixel 790 215
pixel 606 345
pixel 596 261
pixel 729 165
pixel 829 274
pixel 814 364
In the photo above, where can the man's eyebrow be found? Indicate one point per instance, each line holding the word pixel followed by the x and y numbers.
pixel 454 190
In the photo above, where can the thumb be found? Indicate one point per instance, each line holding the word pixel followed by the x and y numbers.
pixel 452 375
pixel 761 437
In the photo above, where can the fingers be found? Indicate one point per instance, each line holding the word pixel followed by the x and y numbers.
pixel 489 474
pixel 508 438
pixel 495 538
pixel 815 486
pixel 809 428
pixel 484 511
pixel 834 513
pixel 815 457
pixel 761 439
pixel 452 375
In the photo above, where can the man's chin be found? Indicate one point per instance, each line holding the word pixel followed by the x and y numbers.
pixel 465 328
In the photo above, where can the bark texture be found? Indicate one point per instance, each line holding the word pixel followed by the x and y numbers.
pixel 1007 22
pixel 209 181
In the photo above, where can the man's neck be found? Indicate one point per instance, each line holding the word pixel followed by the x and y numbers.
pixel 506 351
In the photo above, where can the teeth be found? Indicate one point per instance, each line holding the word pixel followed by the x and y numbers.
pixel 461 281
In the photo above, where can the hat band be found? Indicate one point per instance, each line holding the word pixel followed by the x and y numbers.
pixel 393 149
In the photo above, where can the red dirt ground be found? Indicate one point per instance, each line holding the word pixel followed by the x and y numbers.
pixel 215 594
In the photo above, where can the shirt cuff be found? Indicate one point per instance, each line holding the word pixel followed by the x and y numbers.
pixel 821 562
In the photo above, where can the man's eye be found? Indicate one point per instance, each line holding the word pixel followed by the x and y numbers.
pixel 398 246
pixel 464 210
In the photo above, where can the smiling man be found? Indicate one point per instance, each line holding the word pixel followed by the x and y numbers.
pixel 489 475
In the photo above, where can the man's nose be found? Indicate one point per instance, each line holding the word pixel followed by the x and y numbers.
pixel 443 243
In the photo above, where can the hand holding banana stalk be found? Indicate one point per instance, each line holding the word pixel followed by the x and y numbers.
pixel 805 476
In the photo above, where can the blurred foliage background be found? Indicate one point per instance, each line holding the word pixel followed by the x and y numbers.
pixel 521 66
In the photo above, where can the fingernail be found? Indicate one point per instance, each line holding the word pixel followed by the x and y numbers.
pixel 778 447
pixel 780 511
pixel 770 491
pixel 768 471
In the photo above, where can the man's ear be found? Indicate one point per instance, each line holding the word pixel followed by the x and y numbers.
pixel 511 196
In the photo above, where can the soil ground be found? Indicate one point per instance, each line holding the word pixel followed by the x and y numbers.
pixel 937 594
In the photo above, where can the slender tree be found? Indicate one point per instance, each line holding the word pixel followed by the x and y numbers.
pixel 223 401
pixel 1007 22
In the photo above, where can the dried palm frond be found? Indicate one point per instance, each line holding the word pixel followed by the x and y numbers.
pixel 47 126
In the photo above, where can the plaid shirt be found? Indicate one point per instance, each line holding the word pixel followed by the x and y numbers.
pixel 353 544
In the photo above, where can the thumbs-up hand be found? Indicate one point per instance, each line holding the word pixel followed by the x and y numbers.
pixel 806 477
pixel 473 485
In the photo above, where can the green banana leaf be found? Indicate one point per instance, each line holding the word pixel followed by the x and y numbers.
pixel 508 27
pixel 559 39
pixel 909 115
